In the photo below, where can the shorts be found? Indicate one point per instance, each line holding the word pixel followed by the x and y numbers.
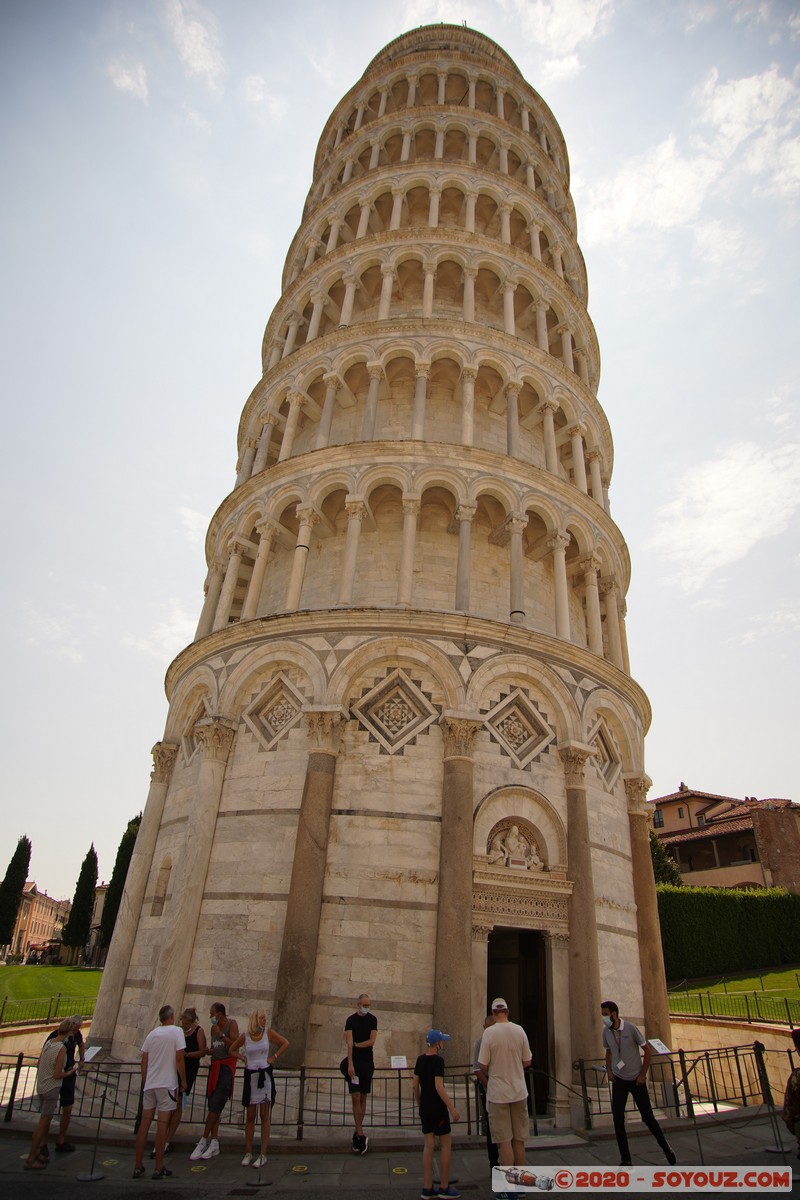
pixel 162 1099
pixel 364 1072
pixel 67 1093
pixel 507 1121
pixel 48 1103
pixel 435 1121
pixel 222 1091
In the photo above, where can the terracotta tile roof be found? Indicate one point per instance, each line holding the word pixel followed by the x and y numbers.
pixel 712 829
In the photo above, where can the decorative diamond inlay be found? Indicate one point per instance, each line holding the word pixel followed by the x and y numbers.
pixel 188 740
pixel 274 712
pixel 607 758
pixel 518 728
pixel 395 711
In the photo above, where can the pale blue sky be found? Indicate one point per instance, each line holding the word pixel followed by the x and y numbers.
pixel 156 156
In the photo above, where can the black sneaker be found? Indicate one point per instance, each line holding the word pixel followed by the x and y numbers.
pixel 162 1174
pixel 65 1147
pixel 363 1144
pixel 356 1143
pixel 44 1152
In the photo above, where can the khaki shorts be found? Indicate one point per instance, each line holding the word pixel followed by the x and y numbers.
pixel 48 1103
pixel 161 1099
pixel 507 1121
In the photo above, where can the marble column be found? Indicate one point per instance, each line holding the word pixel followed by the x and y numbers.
pixel 512 419
pixel 346 315
pixel 264 441
pixel 333 233
pixel 584 961
pixel 594 475
pixel 470 274
pixel 468 377
pixel 576 433
pixel 291 334
pixel 356 511
pixel 296 402
pixel 237 552
pixel 548 410
pixel 387 283
pixel 480 976
pixel 433 207
pixel 214 737
pixel 594 624
pixel 536 244
pixel 464 515
pixel 516 525
pixel 505 224
pixel 318 300
pixel 566 346
pixel 411 506
pixel 470 197
pixel 422 372
pixel 246 462
pixel 371 407
pixel 558 544
pixel 609 590
pixel 542 338
pixel 332 384
pixel 428 287
pixel 268 531
pixel 651 958
pixel 294 983
pixel 308 518
pixel 363 218
pixel 509 323
pixel 214 579
pixel 397 207
pixel 559 1034
pixel 119 955
pixel 452 982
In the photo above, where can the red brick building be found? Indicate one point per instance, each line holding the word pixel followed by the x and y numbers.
pixel 724 841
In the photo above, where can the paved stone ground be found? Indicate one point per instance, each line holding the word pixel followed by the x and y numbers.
pixel 327 1170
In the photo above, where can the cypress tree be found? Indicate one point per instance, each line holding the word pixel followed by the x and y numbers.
pixel 116 884
pixel 79 924
pixel 12 887
pixel 665 869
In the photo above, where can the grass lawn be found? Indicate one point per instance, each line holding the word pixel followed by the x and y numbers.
pixel 778 983
pixel 31 983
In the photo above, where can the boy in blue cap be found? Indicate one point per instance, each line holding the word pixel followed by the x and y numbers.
pixel 436 1110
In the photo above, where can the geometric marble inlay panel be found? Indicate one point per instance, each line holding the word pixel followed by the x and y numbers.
pixel 517 727
pixel 274 712
pixel 394 712
pixel 607 758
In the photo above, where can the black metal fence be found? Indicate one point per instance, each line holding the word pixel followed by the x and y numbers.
pixel 742 1006
pixel 44 1009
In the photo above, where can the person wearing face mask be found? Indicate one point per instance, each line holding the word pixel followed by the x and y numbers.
pixel 360 1032
pixel 627 1070
pixel 258 1092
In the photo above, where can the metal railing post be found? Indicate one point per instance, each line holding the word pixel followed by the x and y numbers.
pixel 14 1083
pixel 300 1103
pixel 587 1114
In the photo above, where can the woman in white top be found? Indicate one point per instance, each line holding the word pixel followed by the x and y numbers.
pixel 259 1086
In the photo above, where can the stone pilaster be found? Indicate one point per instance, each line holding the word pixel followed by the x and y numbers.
pixel 130 908
pixel 654 982
pixel 294 983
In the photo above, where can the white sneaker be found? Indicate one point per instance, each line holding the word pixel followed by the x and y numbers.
pixel 248 1158
pixel 261 1161
pixel 211 1150
pixel 199 1149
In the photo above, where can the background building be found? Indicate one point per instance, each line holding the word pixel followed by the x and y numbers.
pixel 722 841
pixel 40 919
pixel 405 753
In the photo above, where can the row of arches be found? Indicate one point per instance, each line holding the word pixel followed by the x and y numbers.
pixel 447 283
pixel 427 543
pixel 446 203
pixel 451 86
pixel 448 142
pixel 431 393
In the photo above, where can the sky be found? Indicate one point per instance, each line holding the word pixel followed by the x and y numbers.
pixel 156 156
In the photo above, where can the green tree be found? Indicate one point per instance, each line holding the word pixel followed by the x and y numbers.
pixel 79 923
pixel 116 884
pixel 665 869
pixel 11 889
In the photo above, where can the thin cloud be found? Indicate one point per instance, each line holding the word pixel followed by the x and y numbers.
pixel 128 77
pixel 195 35
pixel 725 507
pixel 561 27
pixel 780 622
pixel 256 93
pixel 55 634
pixel 194 525
pixel 170 636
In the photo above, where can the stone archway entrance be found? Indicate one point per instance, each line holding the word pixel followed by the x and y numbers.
pixel 516 969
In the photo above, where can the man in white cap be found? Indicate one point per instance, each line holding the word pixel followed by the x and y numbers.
pixel 503 1058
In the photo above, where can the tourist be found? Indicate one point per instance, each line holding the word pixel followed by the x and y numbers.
pixel 627 1070
pixel 72 1042
pixel 504 1056
pixel 360 1032
pixel 791 1097
pixel 482 1080
pixel 258 1090
pixel 194 1052
pixel 436 1111
pixel 162 1073
pixel 224 1032
pixel 52 1071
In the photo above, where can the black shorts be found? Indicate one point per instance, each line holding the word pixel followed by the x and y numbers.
pixel 223 1090
pixel 66 1093
pixel 364 1072
pixel 434 1121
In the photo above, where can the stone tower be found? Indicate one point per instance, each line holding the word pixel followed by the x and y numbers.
pixel 404 753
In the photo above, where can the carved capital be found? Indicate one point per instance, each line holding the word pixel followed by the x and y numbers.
pixel 307 515
pixel 577 430
pixel 465 512
pixel 215 736
pixel 459 735
pixel 164 755
pixel 636 788
pixel 549 406
pixel 237 546
pixel 480 933
pixel 355 509
pixel 422 369
pixel 558 937
pixel 325 728
pixel 469 374
pixel 516 523
pixel 558 542
pixel 267 529
pixel 590 565
pixel 332 380
pixel 296 399
pixel 574 757
pixel 387 270
pixel 592 454
pixel 513 388
pixel 375 370
pixel 411 506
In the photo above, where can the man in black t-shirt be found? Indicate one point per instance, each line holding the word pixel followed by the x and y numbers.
pixel 360 1032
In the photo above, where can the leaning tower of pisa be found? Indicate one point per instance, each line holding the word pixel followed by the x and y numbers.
pixel 404 754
